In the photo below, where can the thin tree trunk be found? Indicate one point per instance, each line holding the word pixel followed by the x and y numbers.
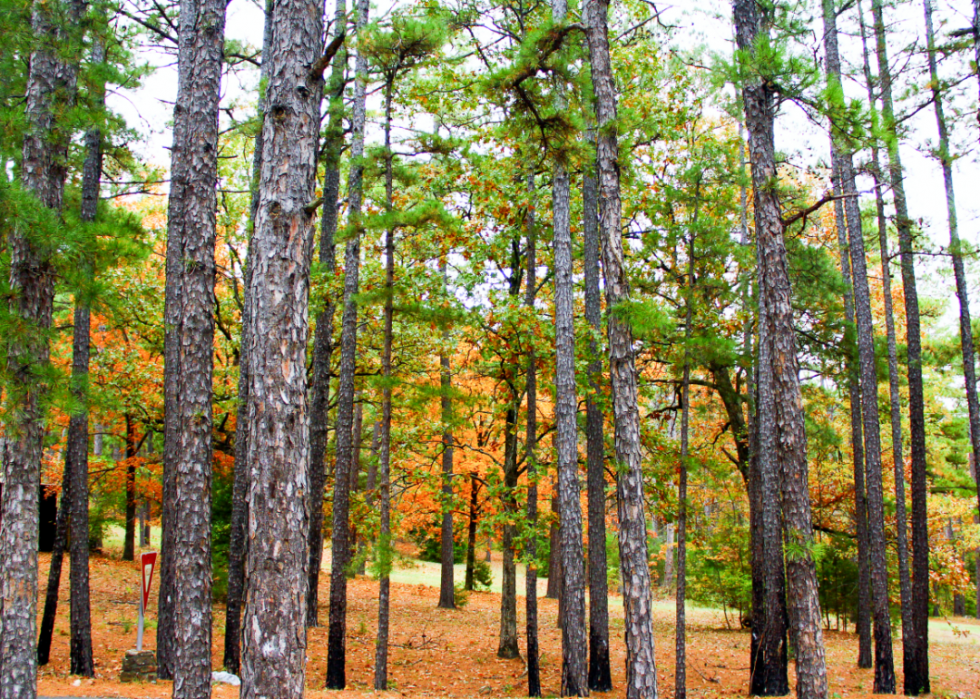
pixel 553 590
pixel 54 570
pixel 956 252
pixel 447 592
pixel 129 541
pixel 508 647
pixel 50 88
pixel 471 535
pixel 323 336
pixel 600 676
pixel 780 399
pixel 531 440
pixel 916 643
pixel 384 594
pixel 340 539
pixel 869 556
pixel 680 633
pixel 641 667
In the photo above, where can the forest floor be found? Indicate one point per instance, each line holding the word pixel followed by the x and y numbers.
pixel 452 653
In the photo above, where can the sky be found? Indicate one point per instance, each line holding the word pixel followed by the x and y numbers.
pixel 703 23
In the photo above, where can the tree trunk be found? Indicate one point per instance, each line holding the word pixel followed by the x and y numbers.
pixel 531 440
pixel 680 632
pixel 447 592
pixel 323 336
pixel 575 673
pixel 191 231
pixel 868 503
pixel 641 668
pixel 129 541
pixel 54 570
pixel 600 676
pixel 780 400
pixel 916 643
pixel 384 471
pixel 274 628
pixel 340 539
pixel 553 590
pixel 471 535
pixel 238 545
pixel 508 648
pixel 50 89
pixel 956 252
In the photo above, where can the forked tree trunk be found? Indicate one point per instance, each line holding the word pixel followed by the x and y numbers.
pixel 274 628
pixel 323 336
pixel 50 89
pixel 191 233
pixel 641 667
pixel 340 538
pixel 780 406
pixel 917 641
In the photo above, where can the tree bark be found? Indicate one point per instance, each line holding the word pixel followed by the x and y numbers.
pixel 274 628
pixel 340 540
pixel 868 503
pixel 471 535
pixel 780 399
pixel 54 570
pixel 323 336
pixel 531 440
pixel 51 84
pixel 916 643
pixel 447 592
pixel 508 647
pixel 191 232
pixel 680 632
pixel 641 668
pixel 129 541
pixel 574 645
pixel 600 676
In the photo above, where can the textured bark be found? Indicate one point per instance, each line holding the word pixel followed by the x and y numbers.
pixel 323 336
pixel 861 377
pixel 76 451
pixel 384 470
pixel 447 593
pixel 54 570
pixel 905 588
pixel 274 633
pixel 641 668
pixel 574 645
pixel 780 398
pixel 471 534
pixel 956 252
pixel 531 440
pixel 50 89
pixel 340 539
pixel 600 676
pixel 191 231
pixel 238 545
pixel 917 641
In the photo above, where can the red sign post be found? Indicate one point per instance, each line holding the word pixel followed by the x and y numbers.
pixel 147 563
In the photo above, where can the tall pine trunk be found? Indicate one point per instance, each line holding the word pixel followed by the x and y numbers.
pixel 191 231
pixel 447 592
pixel 238 544
pixel 50 89
pixel 780 406
pixel 323 336
pixel 274 628
pixel 340 539
pixel 871 530
pixel 641 667
pixel 600 676
pixel 917 641
pixel 531 439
